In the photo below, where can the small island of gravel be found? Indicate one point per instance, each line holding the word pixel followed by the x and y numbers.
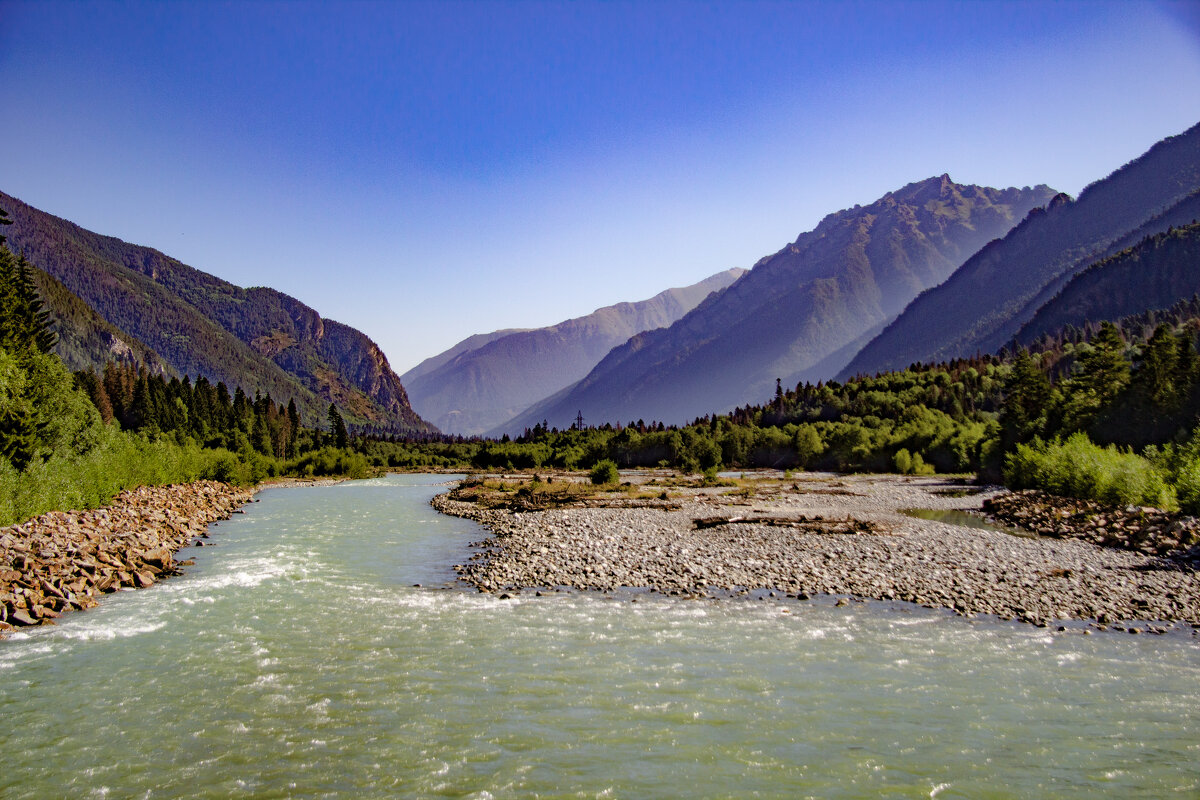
pixel 824 534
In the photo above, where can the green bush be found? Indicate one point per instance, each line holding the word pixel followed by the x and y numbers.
pixel 604 473
pixel 1079 468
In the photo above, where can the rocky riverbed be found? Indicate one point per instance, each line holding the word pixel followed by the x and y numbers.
pixel 64 560
pixel 830 535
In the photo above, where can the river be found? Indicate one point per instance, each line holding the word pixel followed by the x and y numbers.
pixel 298 659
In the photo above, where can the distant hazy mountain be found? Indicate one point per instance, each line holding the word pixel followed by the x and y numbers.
pixel 467 344
pixel 985 302
pixel 1157 273
pixel 799 314
pixel 259 339
pixel 486 379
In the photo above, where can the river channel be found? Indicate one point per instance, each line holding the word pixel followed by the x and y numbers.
pixel 298 659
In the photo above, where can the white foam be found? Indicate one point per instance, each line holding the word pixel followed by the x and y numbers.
pixel 105 632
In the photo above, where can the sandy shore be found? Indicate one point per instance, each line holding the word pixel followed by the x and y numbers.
pixel 802 553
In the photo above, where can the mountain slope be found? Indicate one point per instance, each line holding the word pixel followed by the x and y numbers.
pixel 85 339
pixel 985 302
pixel 259 339
pixel 482 386
pixel 1157 273
pixel 792 314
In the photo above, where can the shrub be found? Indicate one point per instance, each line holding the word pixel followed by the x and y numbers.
pixel 605 472
pixel 1079 468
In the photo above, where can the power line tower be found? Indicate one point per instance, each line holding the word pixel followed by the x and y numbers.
pixel 579 420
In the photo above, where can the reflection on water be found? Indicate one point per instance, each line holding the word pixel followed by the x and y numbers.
pixel 966 519
pixel 297 659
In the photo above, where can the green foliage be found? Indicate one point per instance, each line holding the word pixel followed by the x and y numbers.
pixel 1181 464
pixel 24 322
pixel 604 473
pixel 1079 468
pixel 330 461
pixel 118 461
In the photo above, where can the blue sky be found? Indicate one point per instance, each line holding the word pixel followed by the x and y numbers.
pixel 425 171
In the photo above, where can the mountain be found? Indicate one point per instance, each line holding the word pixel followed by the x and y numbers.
pixel 1157 273
pixel 983 304
pixel 486 379
pixel 470 343
pixel 198 324
pixel 799 314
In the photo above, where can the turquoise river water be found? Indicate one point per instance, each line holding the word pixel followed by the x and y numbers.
pixel 297 659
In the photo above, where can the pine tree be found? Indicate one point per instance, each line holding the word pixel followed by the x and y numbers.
pixel 1101 374
pixel 19 431
pixel 337 428
pixel 294 420
pixel 24 321
pixel 1026 396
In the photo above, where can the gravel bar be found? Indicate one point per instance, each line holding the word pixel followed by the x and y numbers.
pixel 895 557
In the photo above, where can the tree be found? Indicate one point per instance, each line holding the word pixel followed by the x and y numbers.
pixel 24 322
pixel 1026 397
pixel 337 428
pixel 1101 374
pixel 294 421
pixel 1155 380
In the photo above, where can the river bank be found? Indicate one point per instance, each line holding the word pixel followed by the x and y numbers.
pixel 63 560
pixel 802 545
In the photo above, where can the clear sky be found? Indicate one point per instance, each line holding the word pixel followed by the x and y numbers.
pixel 425 171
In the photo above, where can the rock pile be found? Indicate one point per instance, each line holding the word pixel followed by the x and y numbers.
pixel 1142 530
pixel 63 559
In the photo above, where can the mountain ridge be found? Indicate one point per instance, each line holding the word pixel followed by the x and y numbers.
pixel 479 387
pixel 797 307
pixel 981 306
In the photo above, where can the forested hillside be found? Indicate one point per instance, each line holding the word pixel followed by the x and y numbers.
pixel 984 303
pixel 84 338
pixel 1158 272
pixel 201 325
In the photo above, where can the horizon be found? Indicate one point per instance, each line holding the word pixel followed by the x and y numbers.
pixel 624 149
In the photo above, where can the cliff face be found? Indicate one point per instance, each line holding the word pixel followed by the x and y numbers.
pixel 798 314
pixel 481 386
pixel 258 338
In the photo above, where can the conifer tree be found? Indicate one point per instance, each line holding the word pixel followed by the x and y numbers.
pixel 294 419
pixel 18 433
pixel 1026 396
pixel 1101 374
pixel 337 428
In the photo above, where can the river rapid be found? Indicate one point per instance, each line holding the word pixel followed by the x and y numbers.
pixel 298 659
